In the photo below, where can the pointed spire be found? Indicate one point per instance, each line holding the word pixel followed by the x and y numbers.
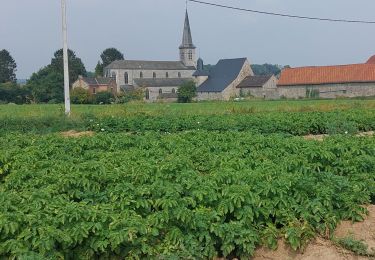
pixel 187 40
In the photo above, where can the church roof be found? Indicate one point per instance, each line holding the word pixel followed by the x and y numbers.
pixel 148 65
pixel 254 81
pixel 166 82
pixel 223 74
pixel 187 40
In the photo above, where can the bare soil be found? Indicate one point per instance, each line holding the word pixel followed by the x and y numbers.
pixel 75 134
pixel 321 137
pixel 323 249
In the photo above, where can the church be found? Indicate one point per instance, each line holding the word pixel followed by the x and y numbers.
pixel 160 79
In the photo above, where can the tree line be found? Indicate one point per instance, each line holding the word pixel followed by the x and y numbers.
pixel 47 84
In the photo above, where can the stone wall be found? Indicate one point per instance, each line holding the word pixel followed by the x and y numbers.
pixel 268 91
pixel 329 91
pixel 147 74
pixel 154 92
pixel 201 96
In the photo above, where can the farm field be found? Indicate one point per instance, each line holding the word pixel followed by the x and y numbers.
pixel 171 181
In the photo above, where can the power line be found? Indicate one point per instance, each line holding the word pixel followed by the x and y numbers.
pixel 283 15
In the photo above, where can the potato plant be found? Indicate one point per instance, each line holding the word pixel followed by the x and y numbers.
pixel 192 195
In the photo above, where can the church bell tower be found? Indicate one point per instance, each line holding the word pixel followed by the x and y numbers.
pixel 187 48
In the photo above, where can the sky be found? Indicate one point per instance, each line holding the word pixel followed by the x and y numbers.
pixel 152 30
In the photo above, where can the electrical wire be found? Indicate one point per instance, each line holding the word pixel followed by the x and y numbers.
pixel 283 15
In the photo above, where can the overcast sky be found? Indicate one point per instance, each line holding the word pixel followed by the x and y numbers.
pixel 152 30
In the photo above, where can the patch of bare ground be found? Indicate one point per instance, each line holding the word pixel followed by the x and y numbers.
pixel 323 249
pixel 321 137
pixel 76 134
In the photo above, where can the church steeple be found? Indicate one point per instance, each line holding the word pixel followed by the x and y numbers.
pixel 187 48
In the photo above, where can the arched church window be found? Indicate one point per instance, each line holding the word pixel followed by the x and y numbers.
pixel 113 75
pixel 160 91
pixel 154 75
pixel 141 75
pixel 179 74
pixel 190 55
pixel 147 94
pixel 167 75
pixel 173 90
pixel 126 77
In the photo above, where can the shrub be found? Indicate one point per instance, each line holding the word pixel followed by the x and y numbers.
pixel 104 97
pixel 81 96
pixel 186 92
pixel 131 95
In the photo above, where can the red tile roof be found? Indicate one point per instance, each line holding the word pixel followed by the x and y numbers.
pixel 355 73
pixel 371 60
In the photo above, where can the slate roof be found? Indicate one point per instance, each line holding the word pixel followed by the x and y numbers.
pixel 166 82
pixel 371 60
pixel 355 73
pixel 201 73
pixel 187 40
pixel 168 95
pixel 254 81
pixel 148 65
pixel 97 81
pixel 223 74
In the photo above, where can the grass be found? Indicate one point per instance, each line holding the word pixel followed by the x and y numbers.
pixel 204 108
pixel 358 247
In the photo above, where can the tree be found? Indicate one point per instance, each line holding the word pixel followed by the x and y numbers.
pixel 266 69
pixel 12 93
pixel 107 57
pixel 47 85
pixel 186 92
pixel 7 67
pixel 76 67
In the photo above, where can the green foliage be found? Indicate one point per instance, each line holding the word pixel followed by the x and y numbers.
pixel 81 96
pixel 107 57
pixel 356 246
pixel 8 67
pixel 130 95
pixel 46 85
pixel 190 195
pixel 104 97
pixel 186 92
pixel 312 93
pixel 76 67
pixel 266 69
pixel 13 93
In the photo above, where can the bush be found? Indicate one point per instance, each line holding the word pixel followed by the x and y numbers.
pixel 132 95
pixel 104 97
pixel 186 92
pixel 13 93
pixel 81 96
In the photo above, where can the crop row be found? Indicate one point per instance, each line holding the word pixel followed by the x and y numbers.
pixel 189 195
pixel 291 123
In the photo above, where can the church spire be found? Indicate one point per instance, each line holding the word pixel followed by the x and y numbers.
pixel 187 48
pixel 187 40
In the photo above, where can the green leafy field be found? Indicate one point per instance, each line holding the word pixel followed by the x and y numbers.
pixel 172 187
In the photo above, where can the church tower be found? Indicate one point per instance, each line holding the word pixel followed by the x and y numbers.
pixel 187 48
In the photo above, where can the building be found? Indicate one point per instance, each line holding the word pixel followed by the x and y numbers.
pixel 355 80
pixel 259 87
pixel 95 85
pixel 158 78
pixel 222 81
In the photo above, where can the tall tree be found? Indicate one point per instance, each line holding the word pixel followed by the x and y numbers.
pixel 76 67
pixel 107 57
pixel 7 67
